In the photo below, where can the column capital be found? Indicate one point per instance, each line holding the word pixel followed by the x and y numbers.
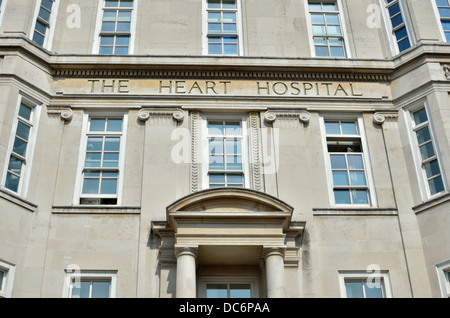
pixel 186 251
pixel 273 251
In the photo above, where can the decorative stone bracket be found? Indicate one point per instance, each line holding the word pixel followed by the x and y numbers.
pixel 65 111
pixel 271 115
pixel 380 117
pixel 145 113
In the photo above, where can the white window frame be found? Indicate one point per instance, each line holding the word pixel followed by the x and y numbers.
pixel 421 174
pixel 443 273
pixel 82 155
pixel 252 280
pixel 205 29
pixel 48 40
pixel 343 25
pixel 2 10
pixel 390 31
pixel 205 146
pixel 365 151
pixel 25 176
pixel 74 276
pixel 98 28
pixel 8 279
pixel 439 20
pixel 383 276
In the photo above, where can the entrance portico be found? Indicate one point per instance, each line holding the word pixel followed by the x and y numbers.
pixel 227 228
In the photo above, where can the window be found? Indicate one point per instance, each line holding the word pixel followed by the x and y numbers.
pixel 425 152
pixel 443 272
pixel 44 21
pixel 117 22
pixel 2 9
pixel 92 284
pixel 232 287
pixel 222 27
pixel 326 28
pixel 394 9
pixel 347 162
pixel 226 155
pixel 6 279
pixel 21 147
pixel 103 161
pixel 443 9
pixel 365 284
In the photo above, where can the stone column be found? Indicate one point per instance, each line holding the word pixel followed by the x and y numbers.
pixel 274 259
pixel 186 276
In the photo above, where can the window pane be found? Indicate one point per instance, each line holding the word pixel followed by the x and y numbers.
pixel 234 163
pixel 355 162
pixel 106 50
pixel 38 38
pixel 444 12
pixel 94 144
pixel 109 186
pixel 349 129
pixel 217 178
pixel 423 135
pixel 114 124
pixel 317 19
pixel 121 50
pixel 44 14
pixel 12 182
pixel 427 151
pixel 214 48
pixel 340 178
pixel 112 144
pixel 373 290
pixel 124 16
pixel 357 178
pixel 216 163
pixel 216 147
pixel 319 30
pixel 233 147
pixel 93 159
pixel 360 197
pixel 229 17
pixel 110 15
pixel 216 291
pixel 25 111
pixel 240 291
pixel 332 128
pixel 342 196
pixel 420 116
pixel 333 30
pixel 233 129
pixel 97 124
pixel 338 162
pixel 111 3
pixel 15 165
pixel 332 19
pixel 108 26
pixel 230 49
pixel 123 40
pixel 235 179
pixel 329 7
pixel 354 289
pixel 1 272
pixel 100 289
pixel 337 51
pixel 111 160
pixel 90 186
pixel 228 4
pixel 20 147
pixel 432 168
pixel 213 4
pixel 123 26
pixel 404 44
pixel 81 289
pixel 322 51
pixel 23 131
pixel 436 185
pixel 214 27
pixel 126 3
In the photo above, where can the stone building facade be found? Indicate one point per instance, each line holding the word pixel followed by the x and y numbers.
pixel 224 148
